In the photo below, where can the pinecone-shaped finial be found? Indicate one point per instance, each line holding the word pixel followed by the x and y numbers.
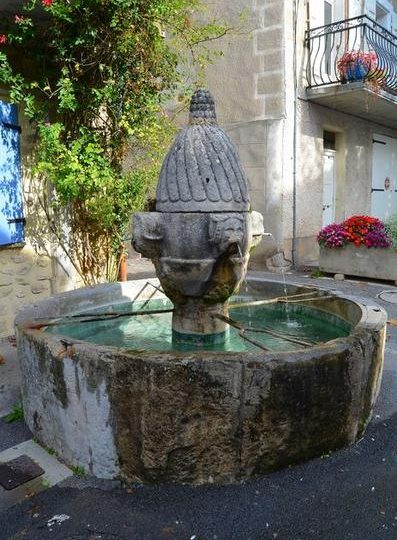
pixel 202 108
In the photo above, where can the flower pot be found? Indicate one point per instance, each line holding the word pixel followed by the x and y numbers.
pixel 356 71
pixel 373 263
pixel 123 270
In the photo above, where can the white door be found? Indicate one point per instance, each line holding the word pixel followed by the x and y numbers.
pixel 384 177
pixel 329 188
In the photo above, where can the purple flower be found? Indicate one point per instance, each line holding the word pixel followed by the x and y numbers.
pixel 332 236
pixel 377 238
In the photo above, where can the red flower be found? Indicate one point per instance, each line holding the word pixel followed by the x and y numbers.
pixel 3 39
pixel 47 3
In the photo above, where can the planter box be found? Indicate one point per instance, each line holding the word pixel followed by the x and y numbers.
pixel 376 263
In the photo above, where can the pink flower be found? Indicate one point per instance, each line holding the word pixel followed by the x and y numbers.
pixel 3 39
pixel 18 19
pixel 47 3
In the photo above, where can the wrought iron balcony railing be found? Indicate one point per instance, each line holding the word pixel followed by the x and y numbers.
pixel 356 49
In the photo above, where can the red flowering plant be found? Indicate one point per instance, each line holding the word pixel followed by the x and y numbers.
pixel 359 230
pixel 366 230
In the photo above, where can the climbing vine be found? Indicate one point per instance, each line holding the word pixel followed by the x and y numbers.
pixel 93 76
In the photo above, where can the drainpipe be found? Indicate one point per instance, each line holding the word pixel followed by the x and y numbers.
pixel 294 158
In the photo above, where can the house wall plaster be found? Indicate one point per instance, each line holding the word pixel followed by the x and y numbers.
pixel 353 159
pixel 255 97
pixel 353 170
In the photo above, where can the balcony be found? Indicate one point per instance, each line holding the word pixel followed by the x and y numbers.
pixel 352 67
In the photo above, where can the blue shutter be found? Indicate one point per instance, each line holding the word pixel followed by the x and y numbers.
pixel 11 210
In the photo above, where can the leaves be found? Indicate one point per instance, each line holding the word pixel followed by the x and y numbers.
pixel 16 414
pixel 94 76
pixel 391 228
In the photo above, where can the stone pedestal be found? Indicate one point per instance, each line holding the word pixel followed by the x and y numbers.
pixel 196 321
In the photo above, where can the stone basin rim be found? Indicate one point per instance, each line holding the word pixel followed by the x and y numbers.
pixel 372 317
pixel 221 417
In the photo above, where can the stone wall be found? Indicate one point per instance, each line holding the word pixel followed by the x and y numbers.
pixel 249 86
pixel 24 278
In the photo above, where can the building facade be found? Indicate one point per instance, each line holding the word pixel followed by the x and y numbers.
pixel 318 138
pixel 310 98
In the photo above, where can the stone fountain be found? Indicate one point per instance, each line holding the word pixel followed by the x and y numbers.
pixel 189 407
pixel 203 230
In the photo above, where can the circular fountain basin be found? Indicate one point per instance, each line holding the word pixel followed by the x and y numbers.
pixel 104 400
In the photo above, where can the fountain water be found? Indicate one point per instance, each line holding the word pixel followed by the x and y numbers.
pixel 116 392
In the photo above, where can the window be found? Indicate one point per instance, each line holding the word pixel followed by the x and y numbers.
pixel 382 15
pixel 328 12
pixel 329 139
pixel 11 210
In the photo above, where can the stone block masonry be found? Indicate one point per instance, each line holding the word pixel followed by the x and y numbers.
pixel 269 46
pixel 25 278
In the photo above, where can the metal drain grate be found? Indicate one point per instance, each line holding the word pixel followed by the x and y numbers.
pixel 388 296
pixel 18 471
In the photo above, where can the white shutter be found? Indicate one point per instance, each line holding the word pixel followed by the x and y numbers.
pixel 370 8
pixel 316 15
pixel 316 12
pixel 339 10
pixel 355 8
pixel 394 23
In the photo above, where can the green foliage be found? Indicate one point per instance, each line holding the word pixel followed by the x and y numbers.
pixel 78 470
pixel 45 483
pixel 391 229
pixel 94 76
pixel 16 414
pixel 316 273
pixel 51 451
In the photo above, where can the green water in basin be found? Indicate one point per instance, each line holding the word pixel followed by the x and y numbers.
pixel 152 332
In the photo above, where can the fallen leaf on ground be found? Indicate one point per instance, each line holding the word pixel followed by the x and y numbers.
pixel 2 360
